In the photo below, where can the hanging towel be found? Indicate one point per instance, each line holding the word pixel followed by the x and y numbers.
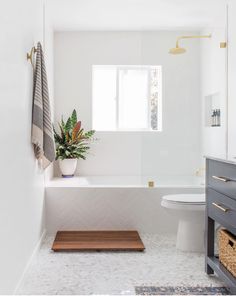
pixel 42 132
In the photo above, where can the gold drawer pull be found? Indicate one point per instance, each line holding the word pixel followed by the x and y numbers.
pixel 223 179
pixel 220 207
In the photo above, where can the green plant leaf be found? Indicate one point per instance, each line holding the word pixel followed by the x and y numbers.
pixel 72 141
pixel 89 134
pixel 63 137
pixel 73 118
pixel 68 125
pixel 62 123
pixel 57 137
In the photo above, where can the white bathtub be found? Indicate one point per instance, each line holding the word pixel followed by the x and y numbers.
pixel 128 181
pixel 99 203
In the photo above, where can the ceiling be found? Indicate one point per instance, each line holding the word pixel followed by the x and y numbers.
pixel 134 14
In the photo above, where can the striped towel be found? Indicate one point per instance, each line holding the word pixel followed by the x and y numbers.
pixel 42 132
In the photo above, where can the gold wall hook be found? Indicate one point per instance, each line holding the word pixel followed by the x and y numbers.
pixel 30 55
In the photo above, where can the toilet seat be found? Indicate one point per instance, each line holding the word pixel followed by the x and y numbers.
pixel 185 199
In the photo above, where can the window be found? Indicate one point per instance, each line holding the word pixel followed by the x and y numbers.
pixel 126 98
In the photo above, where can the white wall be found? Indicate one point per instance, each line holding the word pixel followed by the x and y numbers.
pixel 22 190
pixel 232 82
pixel 49 58
pixel 214 82
pixel 176 150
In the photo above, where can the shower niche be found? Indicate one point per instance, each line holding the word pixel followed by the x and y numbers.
pixel 213 110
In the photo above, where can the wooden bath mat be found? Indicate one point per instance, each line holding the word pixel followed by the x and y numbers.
pixel 97 241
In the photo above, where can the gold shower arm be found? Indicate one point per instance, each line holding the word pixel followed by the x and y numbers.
pixel 191 37
pixel 31 55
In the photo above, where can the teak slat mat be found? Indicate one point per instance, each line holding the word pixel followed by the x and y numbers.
pixel 97 241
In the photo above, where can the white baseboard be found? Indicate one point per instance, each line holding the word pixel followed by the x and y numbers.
pixel 35 251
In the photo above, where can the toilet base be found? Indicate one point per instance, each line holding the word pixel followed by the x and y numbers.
pixel 190 235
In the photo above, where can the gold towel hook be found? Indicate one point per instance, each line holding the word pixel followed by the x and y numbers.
pixel 31 55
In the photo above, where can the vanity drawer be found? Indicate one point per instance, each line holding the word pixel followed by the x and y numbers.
pixel 221 208
pixel 222 177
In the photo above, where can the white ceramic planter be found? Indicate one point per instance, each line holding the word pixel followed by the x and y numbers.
pixel 68 167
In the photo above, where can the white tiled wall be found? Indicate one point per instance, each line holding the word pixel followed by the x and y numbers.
pixel 110 208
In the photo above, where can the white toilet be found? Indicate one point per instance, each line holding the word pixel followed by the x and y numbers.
pixel 190 211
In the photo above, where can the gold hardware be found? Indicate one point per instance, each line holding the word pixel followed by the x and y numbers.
pixel 220 207
pixel 30 55
pixel 150 183
pixel 178 49
pixel 223 179
pixel 223 44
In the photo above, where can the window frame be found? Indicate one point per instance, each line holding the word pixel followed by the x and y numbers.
pixel 159 100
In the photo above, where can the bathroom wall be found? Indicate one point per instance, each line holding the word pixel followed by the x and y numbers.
pixel 22 184
pixel 175 150
pixel 218 77
pixel 231 81
pixel 49 58
pixel 214 92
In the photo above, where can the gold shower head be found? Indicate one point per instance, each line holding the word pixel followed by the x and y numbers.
pixel 180 50
pixel 177 50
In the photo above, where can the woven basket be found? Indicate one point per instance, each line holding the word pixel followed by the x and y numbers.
pixel 227 250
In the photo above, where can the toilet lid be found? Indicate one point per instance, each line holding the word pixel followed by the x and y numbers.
pixel 186 198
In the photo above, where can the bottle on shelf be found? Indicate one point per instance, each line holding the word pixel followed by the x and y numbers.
pixel 218 118
pixel 215 117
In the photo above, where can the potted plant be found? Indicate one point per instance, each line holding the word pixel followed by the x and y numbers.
pixel 72 143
